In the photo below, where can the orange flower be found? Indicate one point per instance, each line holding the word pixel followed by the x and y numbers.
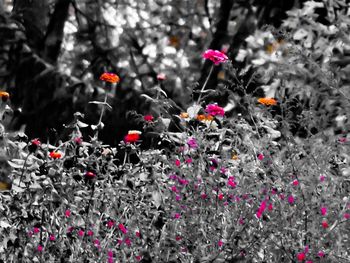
pixel 200 117
pixel 110 77
pixel 267 101
pixel 174 41
pixel 55 155
pixel 4 96
pixel 184 115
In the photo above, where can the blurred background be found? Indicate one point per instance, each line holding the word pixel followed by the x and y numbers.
pixel 52 53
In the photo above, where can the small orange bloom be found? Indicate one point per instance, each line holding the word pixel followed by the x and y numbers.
pixel 184 115
pixel 201 117
pixel 174 41
pixel 110 77
pixel 267 101
pixel 55 155
pixel 4 96
pixel 234 157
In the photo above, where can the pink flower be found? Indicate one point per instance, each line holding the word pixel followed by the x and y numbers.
pixel 346 216
pixel 189 160
pixel 231 183
pixel 204 195
pixel 52 237
pixel 110 223
pixel 110 253
pixel 138 234
pixel 342 139
pixel 40 248
pixel 78 140
pixel 138 258
pixel 174 189
pixel 241 221
pixel 178 238
pixel 81 233
pixel 70 229
pixel 148 118
pixel 215 110
pixel 178 197
pixel 90 175
pixel 127 242
pixel 295 182
pixel 96 243
pixel 177 162
pixel 67 213
pixel 215 56
pixel 321 254
pixel 183 181
pixel 261 209
pixel 36 230
pixel 322 178
pixel 291 199
pixel 301 256
pixel 119 241
pixel 223 170
pixel 221 196
pixel 270 208
pixel 122 228
pixel 90 233
pixel 323 211
pixel 110 260
pixel 161 76
pixel 261 156
pixel 220 243
pixel 177 216
pixel 325 224
pixel 192 143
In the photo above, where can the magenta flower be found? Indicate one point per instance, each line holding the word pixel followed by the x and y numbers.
pixel 231 183
pixel 174 189
pixel 178 197
pixel 241 221
pixel 192 143
pixel 96 243
pixel 119 241
pixel 177 162
pixel 138 258
pixel 323 211
pixel 261 156
pixel 221 196
pixel 261 209
pixel 325 224
pixel 346 216
pixel 110 223
pixel 127 242
pixel 110 260
pixel 270 207
pixel 189 160
pixel 220 243
pixel 321 254
pixel 81 233
pixel 110 253
pixel 138 234
pixel 122 228
pixel 215 110
pixel 291 199
pixel 309 261
pixel 40 248
pixel 67 213
pixel 52 237
pixel 322 178
pixel 90 233
pixel 204 195
pixel 215 56
pixel 36 230
pixel 177 216
pixel 301 256
pixel 295 182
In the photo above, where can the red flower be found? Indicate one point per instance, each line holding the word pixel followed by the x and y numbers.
pixel 34 145
pixel 161 76
pixel 325 224
pixel 122 228
pixel 132 136
pixel 215 55
pixel 90 175
pixel 301 256
pixel 148 118
pixel 55 155
pixel 110 223
pixel 110 77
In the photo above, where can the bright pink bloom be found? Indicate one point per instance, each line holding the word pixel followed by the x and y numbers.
pixel 177 216
pixel 138 234
pixel 78 140
pixel 178 197
pixel 221 196
pixel 295 182
pixel 306 249
pixel 321 254
pixel 204 195
pixel 223 170
pixel 347 216
pixel 282 196
pixel 110 260
pixel 189 160
pixel 119 241
pixel 110 253
pixel 40 248
pixel 52 237
pixel 36 230
pixel 241 221
pixel 301 256
pixel 291 199
pixel 231 183
pixel 90 175
pixel 96 242
pixel 148 118
pixel 177 162
pixel 325 224
pixel 261 209
pixel 183 181
pixel 220 243
pixel 323 211
pixel 67 213
pixel 138 258
pixel 70 229
pixel 270 208
pixel 261 156
pixel 122 228
pixel 215 110
pixel 127 242
pixel 90 233
pixel 215 56
pixel 174 189
pixel 110 224
pixel 178 238
pixel 322 178
pixel 192 143
pixel 274 191
pixel 81 233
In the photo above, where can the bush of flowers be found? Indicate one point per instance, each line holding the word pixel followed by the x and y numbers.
pixel 225 189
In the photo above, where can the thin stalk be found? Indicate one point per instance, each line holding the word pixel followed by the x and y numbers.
pixel 24 169
pixel 101 115
pixel 205 84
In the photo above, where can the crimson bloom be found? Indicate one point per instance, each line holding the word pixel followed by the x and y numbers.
pixel 132 136
pixel 110 77
pixel 148 118
pixel 123 228
pixel 301 256
pixel 215 110
pixel 325 224
pixel 90 175
pixel 215 56
pixel 34 145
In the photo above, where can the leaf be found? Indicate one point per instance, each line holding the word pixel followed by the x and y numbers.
pixel 82 124
pixel 157 199
pixel 147 97
pixel 16 163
